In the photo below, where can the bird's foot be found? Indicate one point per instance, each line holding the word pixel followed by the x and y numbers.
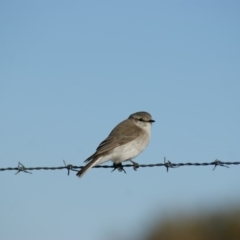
pixel 119 167
pixel 135 165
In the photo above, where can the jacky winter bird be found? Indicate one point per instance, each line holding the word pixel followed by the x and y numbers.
pixel 126 141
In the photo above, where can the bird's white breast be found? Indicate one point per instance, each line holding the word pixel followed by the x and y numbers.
pixel 127 151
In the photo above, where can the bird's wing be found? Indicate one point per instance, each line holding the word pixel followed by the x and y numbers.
pixel 127 132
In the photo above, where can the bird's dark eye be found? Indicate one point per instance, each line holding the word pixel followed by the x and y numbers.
pixel 140 119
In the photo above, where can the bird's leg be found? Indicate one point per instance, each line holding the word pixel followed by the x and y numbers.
pixel 119 167
pixel 135 165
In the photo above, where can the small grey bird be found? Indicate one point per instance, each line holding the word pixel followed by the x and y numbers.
pixel 126 141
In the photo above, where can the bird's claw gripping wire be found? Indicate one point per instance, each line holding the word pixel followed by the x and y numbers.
pixel 119 167
pixel 135 165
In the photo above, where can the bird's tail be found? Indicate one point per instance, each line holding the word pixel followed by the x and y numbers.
pixel 87 167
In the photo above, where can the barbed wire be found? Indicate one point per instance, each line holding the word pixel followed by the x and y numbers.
pixel 167 164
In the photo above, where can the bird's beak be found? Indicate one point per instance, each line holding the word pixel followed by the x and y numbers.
pixel 151 121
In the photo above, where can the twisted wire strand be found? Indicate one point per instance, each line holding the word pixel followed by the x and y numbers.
pixel 167 164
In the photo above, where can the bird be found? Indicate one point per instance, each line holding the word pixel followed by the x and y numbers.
pixel 125 142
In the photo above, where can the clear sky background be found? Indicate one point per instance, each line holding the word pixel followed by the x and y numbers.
pixel 71 70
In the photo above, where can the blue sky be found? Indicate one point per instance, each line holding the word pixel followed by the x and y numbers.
pixel 72 70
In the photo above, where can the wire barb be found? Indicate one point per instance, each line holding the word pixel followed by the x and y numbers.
pixel 219 163
pixel 168 164
pixel 69 167
pixel 21 168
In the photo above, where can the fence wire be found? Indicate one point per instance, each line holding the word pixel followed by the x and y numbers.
pixel 167 164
